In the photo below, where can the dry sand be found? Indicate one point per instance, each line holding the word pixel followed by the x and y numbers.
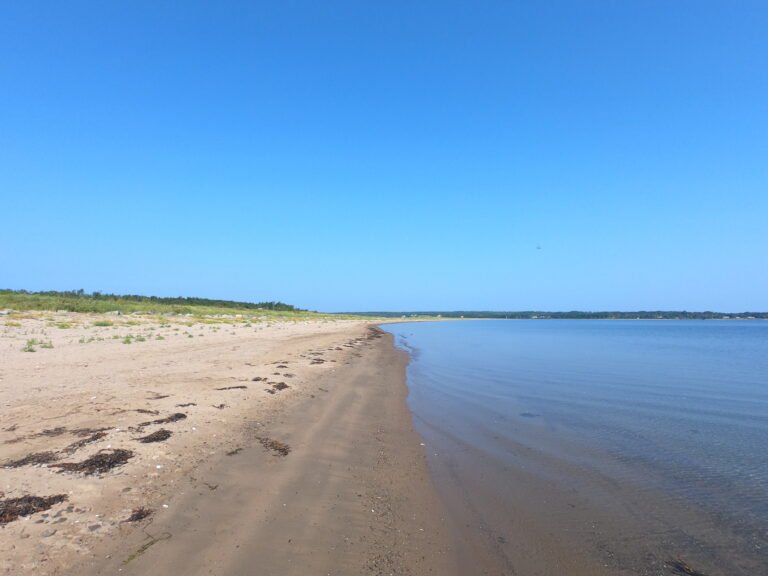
pixel 324 476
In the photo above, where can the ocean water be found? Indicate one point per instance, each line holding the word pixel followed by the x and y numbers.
pixel 632 443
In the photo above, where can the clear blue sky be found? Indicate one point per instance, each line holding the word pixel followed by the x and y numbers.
pixel 388 156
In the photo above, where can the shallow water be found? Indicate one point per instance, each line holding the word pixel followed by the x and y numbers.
pixel 630 443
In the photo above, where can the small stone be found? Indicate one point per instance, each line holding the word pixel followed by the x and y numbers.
pixel 94 527
pixel 48 533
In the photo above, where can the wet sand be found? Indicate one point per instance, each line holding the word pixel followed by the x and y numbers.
pixel 324 476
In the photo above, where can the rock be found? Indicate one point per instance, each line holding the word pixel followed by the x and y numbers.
pixel 48 533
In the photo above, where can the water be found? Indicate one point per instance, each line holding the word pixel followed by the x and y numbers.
pixel 632 443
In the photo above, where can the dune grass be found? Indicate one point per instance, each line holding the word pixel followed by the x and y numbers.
pixel 201 308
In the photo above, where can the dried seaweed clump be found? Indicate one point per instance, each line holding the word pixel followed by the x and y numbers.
pixel 277 447
pixel 139 514
pixel 75 446
pixel 167 420
pixel 13 508
pixel 158 436
pixel 32 459
pixel 101 462
pixel 683 568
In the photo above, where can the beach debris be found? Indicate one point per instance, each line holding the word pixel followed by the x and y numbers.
pixel 102 461
pixel 33 459
pixel 145 411
pixel 288 375
pixel 13 508
pixel 54 432
pixel 317 361
pixel 219 406
pixel 58 431
pixel 185 405
pixel 157 395
pixel 75 446
pixel 278 448
pixel 276 387
pixel 138 514
pixel 167 420
pixel 683 568
pixel 258 379
pixel 234 451
pixel 88 431
pixel 158 436
pixel 241 387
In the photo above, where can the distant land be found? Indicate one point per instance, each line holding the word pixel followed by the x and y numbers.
pixel 577 315
pixel 98 302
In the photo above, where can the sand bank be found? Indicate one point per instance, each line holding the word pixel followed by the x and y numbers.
pixel 295 453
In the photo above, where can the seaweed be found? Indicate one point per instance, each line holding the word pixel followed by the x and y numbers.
pixel 683 568
pixel 75 446
pixel 232 388
pixel 158 436
pixel 167 420
pixel 102 461
pixel 32 459
pixel 278 448
pixel 12 508
pixel 138 514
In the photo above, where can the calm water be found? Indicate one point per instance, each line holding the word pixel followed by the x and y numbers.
pixel 658 430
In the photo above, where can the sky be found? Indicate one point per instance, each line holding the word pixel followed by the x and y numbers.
pixel 350 156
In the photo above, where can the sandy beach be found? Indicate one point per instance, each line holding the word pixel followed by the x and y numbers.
pixel 170 446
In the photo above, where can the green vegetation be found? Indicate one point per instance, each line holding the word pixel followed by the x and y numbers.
pixel 203 309
pixel 30 345
pixel 80 301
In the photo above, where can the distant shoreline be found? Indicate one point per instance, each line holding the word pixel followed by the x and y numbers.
pixel 574 315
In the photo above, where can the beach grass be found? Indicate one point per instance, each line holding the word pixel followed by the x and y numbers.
pixel 203 310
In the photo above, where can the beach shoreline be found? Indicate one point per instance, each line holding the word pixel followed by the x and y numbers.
pixel 324 475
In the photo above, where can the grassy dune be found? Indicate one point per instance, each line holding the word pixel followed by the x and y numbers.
pixel 79 301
